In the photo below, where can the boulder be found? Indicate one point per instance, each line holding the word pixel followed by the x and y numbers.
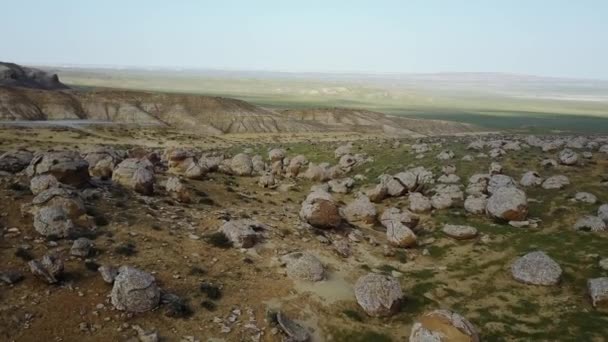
pixel 419 203
pixel 398 234
pixel 445 155
pixel 416 178
pixel 377 194
pixel 241 165
pixel 244 233
pixel 590 223
pixel 441 201
pixel 316 172
pixel 68 167
pixel 294 331
pixel 360 212
pixel 267 180
pixel 568 157
pixel 276 154
pixel 496 152
pixel 135 174
pixel 320 210
pixel 41 183
pixel 341 186
pixel 495 168
pixel 508 204
pixel 443 326
pixel 48 268
pixel 258 166
pixel 500 181
pixel 421 148
pixel 476 204
pixel 53 221
pixel 134 290
pixel 449 179
pixel 404 217
pixel 459 232
pixel 295 165
pixel 303 266
pixel 602 212
pixel 102 161
pixel 598 291
pixel 347 161
pixel 108 273
pixel 547 163
pixel 536 268
pixel 476 145
pixel 68 200
pixel 81 247
pixel 585 197
pixel 379 295
pixel 343 150
pixel 448 169
pixel 530 178
pixel 15 161
pixel 178 190
pixel 555 182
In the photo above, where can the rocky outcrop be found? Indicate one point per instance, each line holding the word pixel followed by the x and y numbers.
pixel 14 75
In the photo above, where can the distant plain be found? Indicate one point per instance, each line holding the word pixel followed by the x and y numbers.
pixel 489 100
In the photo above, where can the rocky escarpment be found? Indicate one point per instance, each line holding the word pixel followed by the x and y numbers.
pixel 18 76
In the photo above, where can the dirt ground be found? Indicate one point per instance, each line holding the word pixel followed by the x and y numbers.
pixel 170 240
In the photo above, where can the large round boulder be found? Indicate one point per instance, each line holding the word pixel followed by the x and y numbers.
pixel 53 221
pixel 244 233
pixel 379 295
pixel 134 290
pixel 360 212
pixel 303 266
pixel 568 157
pixel 536 268
pixel 241 165
pixel 508 204
pixel 500 181
pixel 320 210
pixel 530 178
pixel 135 174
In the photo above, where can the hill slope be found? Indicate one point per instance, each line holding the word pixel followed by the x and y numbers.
pixel 204 114
pixel 211 115
pixel 358 120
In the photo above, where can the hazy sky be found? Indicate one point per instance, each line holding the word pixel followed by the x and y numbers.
pixel 543 37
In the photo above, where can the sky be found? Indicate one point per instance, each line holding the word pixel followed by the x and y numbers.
pixel 539 37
